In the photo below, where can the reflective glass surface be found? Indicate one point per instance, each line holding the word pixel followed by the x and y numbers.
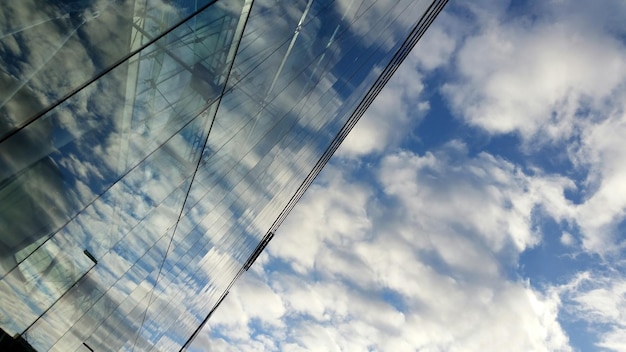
pixel 147 147
pixel 43 42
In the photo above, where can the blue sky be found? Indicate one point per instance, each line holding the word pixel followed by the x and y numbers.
pixel 479 205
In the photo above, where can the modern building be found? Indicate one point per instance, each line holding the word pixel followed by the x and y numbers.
pixel 150 148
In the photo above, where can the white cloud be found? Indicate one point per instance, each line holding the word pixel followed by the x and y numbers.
pixel 486 196
pixel 614 340
pixel 436 46
pixel 554 75
pixel 328 216
pixel 421 266
pixel 535 79
pixel 397 108
pixel 603 151
pixel 567 239
pixel 600 300
pixel 252 299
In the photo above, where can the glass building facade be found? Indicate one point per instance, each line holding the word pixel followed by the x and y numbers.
pixel 150 148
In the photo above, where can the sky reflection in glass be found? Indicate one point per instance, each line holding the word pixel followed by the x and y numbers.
pixel 169 157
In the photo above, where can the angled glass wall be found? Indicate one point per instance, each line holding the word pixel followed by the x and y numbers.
pixel 149 148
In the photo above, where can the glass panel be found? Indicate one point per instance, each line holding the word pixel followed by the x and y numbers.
pixel 38 281
pixel 71 156
pixel 173 165
pixel 50 48
pixel 123 229
pixel 158 154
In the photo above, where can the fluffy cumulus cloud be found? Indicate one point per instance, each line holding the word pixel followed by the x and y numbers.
pixel 489 197
pixel 252 300
pixel 602 151
pixel 393 270
pixel 554 75
pixel 533 75
pixel 398 108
